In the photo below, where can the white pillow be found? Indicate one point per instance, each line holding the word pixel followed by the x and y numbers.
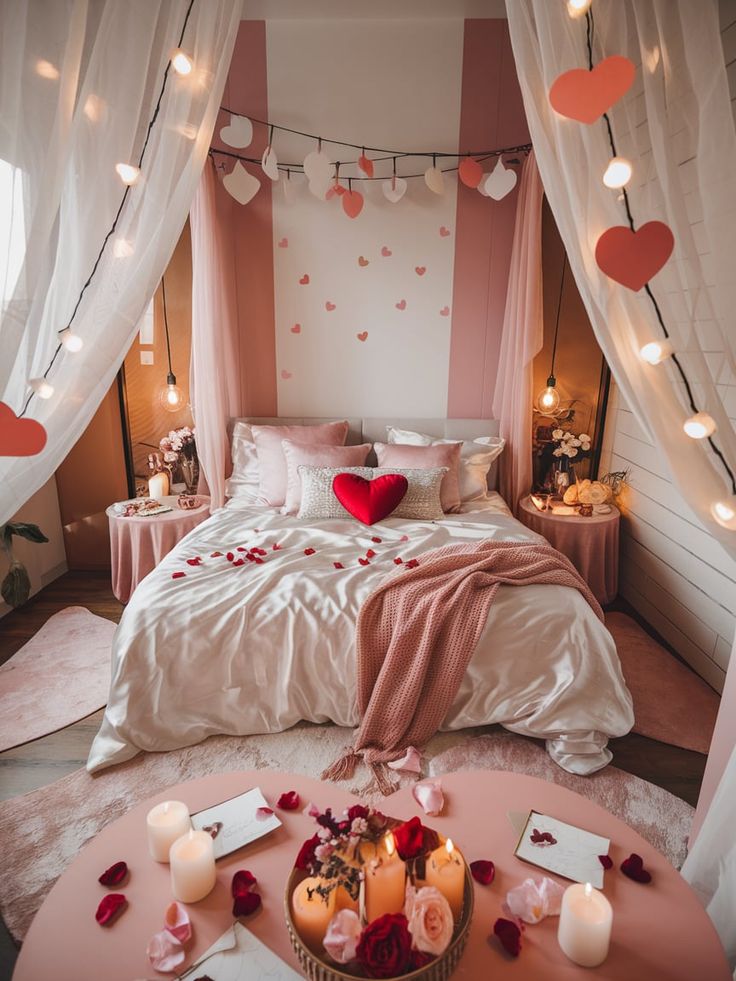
pixel 421 501
pixel 244 483
pixel 476 457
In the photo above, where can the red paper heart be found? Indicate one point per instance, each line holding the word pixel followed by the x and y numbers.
pixel 352 203
pixel 420 270
pixel 362 336
pixel 296 329
pixel 370 500
pixel 305 279
pixel 632 258
pixel 470 172
pixel 329 306
pixel 19 437
pixel 585 95
pixel 401 305
pixel 444 232
pixel 386 251
pixel 362 261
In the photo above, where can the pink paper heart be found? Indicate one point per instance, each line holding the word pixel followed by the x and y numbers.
pixel 352 203
pixel 362 261
pixel 296 329
pixel 330 306
pixel 304 281
pixel 386 251
pixel 445 312
pixel 286 375
pixel 420 270
pixel 401 305
pixel 284 243
pixel 444 232
pixel 362 336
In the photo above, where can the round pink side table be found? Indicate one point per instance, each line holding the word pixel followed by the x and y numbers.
pixel 660 930
pixel 591 544
pixel 137 545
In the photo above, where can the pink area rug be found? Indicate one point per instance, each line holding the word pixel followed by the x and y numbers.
pixel 60 676
pixel 671 703
pixel 49 826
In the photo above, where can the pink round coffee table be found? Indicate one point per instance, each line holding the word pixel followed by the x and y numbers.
pixel 660 931
pixel 137 545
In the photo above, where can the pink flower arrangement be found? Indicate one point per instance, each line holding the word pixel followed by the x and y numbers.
pixel 178 441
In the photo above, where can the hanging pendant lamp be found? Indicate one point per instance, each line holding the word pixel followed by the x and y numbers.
pixel 171 397
pixel 548 400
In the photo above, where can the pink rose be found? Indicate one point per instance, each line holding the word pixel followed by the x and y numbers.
pixel 431 924
pixel 343 933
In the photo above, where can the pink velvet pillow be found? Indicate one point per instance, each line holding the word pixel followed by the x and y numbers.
pixel 426 458
pixel 299 454
pixel 271 460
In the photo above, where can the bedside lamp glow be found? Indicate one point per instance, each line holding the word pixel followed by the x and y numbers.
pixel 548 399
pixel 171 397
pixel 655 352
pixel 699 426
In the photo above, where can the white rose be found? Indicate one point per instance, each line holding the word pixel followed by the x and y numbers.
pixel 585 437
pixel 572 452
pixel 557 434
pixel 574 442
pixel 431 924
pixel 557 452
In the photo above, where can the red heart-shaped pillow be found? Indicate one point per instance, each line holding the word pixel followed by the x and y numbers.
pixel 370 500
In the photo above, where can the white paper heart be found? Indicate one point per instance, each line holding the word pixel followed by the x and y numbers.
pixel 394 189
pixel 290 190
pixel 499 182
pixel 317 165
pixel 238 133
pixel 240 184
pixel 481 190
pixel 319 186
pixel 434 179
pixel 270 164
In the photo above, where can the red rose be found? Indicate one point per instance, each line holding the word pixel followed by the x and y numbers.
pixel 384 948
pixel 305 858
pixel 358 811
pixel 410 838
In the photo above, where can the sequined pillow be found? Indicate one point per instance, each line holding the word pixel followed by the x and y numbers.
pixel 421 501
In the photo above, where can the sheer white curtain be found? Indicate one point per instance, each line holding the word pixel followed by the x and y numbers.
pixel 79 83
pixel 675 125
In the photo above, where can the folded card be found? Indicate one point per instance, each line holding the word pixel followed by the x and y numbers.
pixel 562 848
pixel 237 822
pixel 240 956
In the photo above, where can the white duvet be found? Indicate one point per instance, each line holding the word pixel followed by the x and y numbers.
pixel 255 648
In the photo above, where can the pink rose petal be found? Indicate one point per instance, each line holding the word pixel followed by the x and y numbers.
pixel 404 538
pixel 428 793
pixel 311 810
pixel 411 761
pixel 165 952
pixel 535 899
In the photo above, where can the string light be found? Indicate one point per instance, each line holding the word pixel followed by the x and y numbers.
pixel 181 62
pixel 41 387
pixel 618 173
pixel 655 352
pixel 71 341
pixel 122 248
pixel 724 512
pixel 576 8
pixel 699 426
pixel 46 70
pixel 128 173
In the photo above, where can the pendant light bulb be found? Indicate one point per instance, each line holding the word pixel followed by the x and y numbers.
pixel 127 173
pixel 699 426
pixel 576 8
pixel 171 397
pixel 655 352
pixel 618 173
pixel 548 400
pixel 41 387
pixel 71 341
pixel 724 512
pixel 181 62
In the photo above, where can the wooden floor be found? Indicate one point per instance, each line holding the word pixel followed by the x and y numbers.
pixel 41 762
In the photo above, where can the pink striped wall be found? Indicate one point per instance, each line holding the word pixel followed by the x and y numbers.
pixel 491 115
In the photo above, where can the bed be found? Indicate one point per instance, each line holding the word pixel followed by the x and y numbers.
pixel 255 648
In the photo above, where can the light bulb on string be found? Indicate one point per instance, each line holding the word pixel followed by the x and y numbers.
pixel 181 62
pixel 618 173
pixel 127 173
pixel 72 342
pixel 699 426
pixel 122 248
pixel 655 352
pixel 41 387
pixel 724 512
pixel 576 8
pixel 548 400
pixel 171 398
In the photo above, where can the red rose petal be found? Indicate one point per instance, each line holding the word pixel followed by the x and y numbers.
pixel 229 556
pixel 338 565
pixel 509 935
pixel 241 548
pixel 606 861
pixel 196 561
pixel 258 561
pixel 215 555
pixel 376 539
pixel 276 548
pixel 263 812
pixel 243 881
pixel 178 575
pixel 305 858
pixel 309 551
pixel 250 558
pixel 412 563
pixel 246 904
pixel 364 561
pixel 239 562
pixel 398 560
pixel 483 871
pixel 114 875
pixel 633 867
pixel 111 906
pixel 289 801
pixel 258 551
pixel 370 554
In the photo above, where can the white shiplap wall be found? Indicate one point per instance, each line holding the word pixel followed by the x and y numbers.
pixel 672 571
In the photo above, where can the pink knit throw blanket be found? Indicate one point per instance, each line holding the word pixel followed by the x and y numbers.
pixel 417 632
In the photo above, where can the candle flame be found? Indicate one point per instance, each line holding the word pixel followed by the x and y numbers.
pixel 588 890
pixel 449 846
pixel 390 844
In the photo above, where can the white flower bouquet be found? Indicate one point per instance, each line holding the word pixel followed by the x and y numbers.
pixel 570 445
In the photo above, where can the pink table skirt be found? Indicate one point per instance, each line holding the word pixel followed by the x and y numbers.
pixel 591 544
pixel 137 545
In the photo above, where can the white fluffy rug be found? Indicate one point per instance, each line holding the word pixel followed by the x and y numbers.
pixel 48 827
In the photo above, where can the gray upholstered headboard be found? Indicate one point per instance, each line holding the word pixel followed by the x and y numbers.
pixel 374 430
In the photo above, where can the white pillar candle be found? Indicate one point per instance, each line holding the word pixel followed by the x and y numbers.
pixel 385 882
pixel 584 933
pixel 192 860
pixel 158 485
pixel 166 822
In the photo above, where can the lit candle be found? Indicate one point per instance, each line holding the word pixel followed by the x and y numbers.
pixel 312 912
pixel 385 882
pixel 584 932
pixel 158 485
pixel 192 860
pixel 166 822
pixel 446 872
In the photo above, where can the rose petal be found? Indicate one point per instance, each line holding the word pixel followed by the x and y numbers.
pixel 259 551
pixel 111 906
pixel 239 562
pixel 370 554
pixel 114 875
pixel 483 871
pixel 376 539
pixel 398 560
pixel 241 548
pixel 305 858
pixel 412 563
pixel 338 565
pixel 633 867
pixel 258 561
pixel 215 555
pixel 229 556
pixel 178 575
pixel 263 813
pixel 177 923
pixel 309 551
pixel 404 538
pixel 276 548
pixel 606 861
pixel 429 795
pixel 535 899
pixel 343 933
pixel 243 881
pixel 311 810
pixel 165 952
pixel 196 561
pixel 410 762
pixel 509 935
pixel 246 903
pixel 364 561
pixel 289 801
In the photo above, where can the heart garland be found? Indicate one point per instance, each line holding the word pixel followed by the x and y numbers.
pixel 631 257
pixel 19 437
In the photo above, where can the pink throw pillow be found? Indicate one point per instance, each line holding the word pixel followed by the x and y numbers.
pixel 300 454
pixel 426 458
pixel 271 459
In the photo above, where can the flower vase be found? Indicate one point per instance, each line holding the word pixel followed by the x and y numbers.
pixel 190 472
pixel 563 476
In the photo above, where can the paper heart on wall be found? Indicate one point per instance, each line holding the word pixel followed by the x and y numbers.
pixel 445 312
pixel 362 261
pixel 284 243
pixel 317 165
pixel 632 258
pixel 238 133
pixel 19 437
pixel 470 172
pixel 304 281
pixel 296 329
pixel 362 336
pixel 270 164
pixel 394 189
pixel 435 180
pixel 585 95
pixel 420 270
pixel 366 165
pixel 386 251
pixel 352 203
pixel 499 182
pixel 329 307
pixel 401 305
pixel 444 232
pixel 241 185
pixel 286 375
pixel 370 500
